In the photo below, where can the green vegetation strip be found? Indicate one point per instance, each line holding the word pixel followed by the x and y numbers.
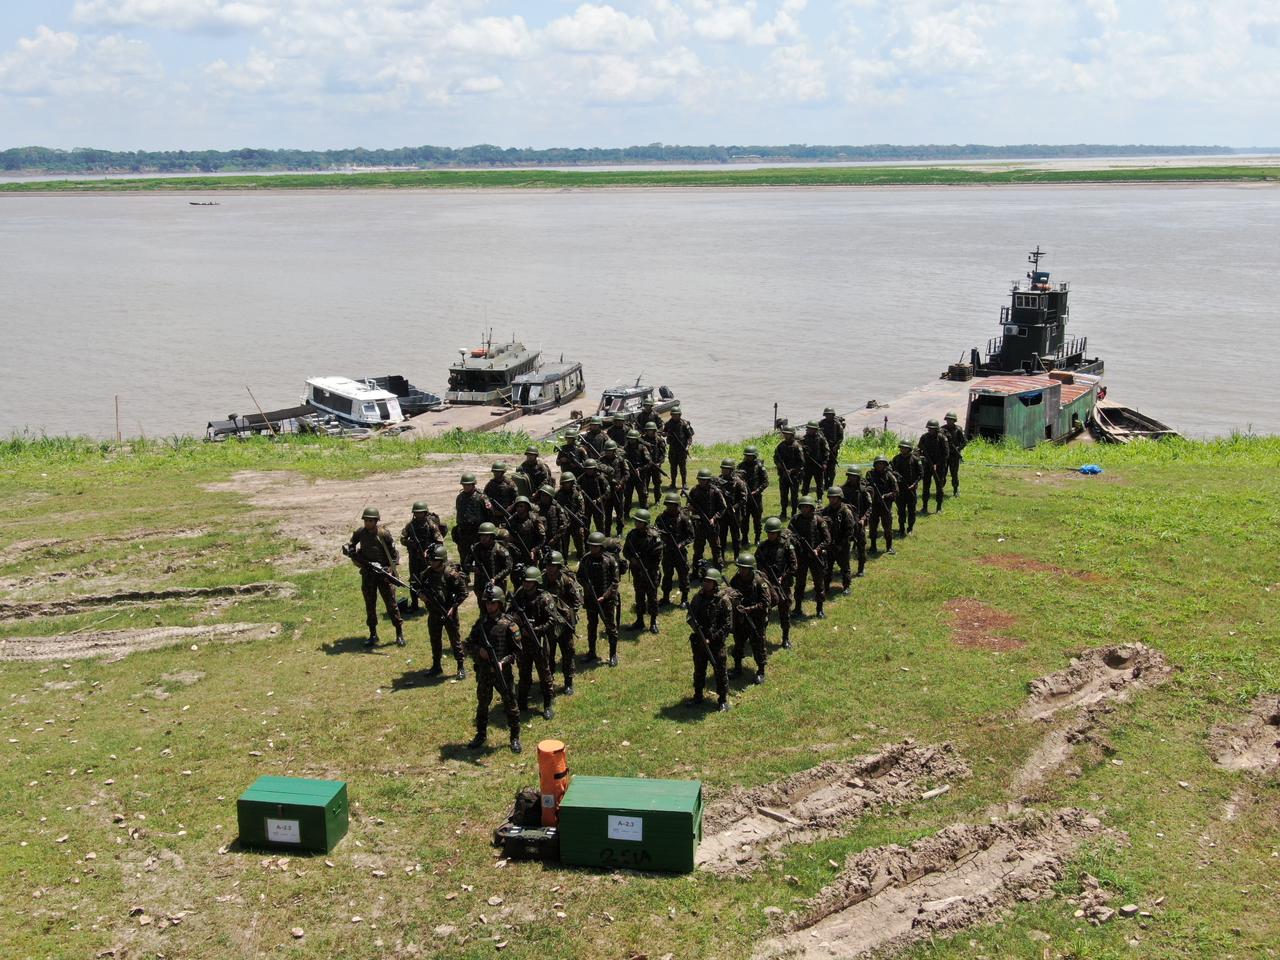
pixel 1173 545
pixel 561 179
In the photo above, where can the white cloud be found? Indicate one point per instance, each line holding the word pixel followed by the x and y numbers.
pixel 175 14
pixel 55 63
pixel 596 29
pixel 494 36
pixel 481 85
pixel 799 76
pixel 727 22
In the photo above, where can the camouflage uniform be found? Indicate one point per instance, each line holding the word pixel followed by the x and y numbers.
pixel 504 641
pixel 490 565
pixel 751 595
pixel 884 490
pixel 444 591
pixel 593 440
pixel 816 453
pixel 832 428
pixel 419 535
pixel 656 447
pixel 734 488
pixel 534 471
pixel 526 535
pixel 470 509
pixel 567 592
pixel 776 559
pixel 756 477
pixel 636 482
pixel 577 515
pixel 679 434
pixel 613 470
pixel 936 451
pixel 841 523
pixel 643 548
pixel 956 441
pixel 571 456
pixel 788 460
pixel 596 487
pixel 376 546
pixel 555 523
pixel 536 613
pixel 812 538
pixel 676 529
pixel 907 467
pixel 859 500
pixel 711 619
pixel 501 494
pixel 598 574
pixel 707 505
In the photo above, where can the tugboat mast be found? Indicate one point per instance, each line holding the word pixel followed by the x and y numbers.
pixel 1033 258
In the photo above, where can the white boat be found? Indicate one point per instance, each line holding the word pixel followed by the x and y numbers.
pixel 548 387
pixel 353 402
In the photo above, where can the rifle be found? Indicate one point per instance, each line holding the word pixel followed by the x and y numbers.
pixel 545 644
pixel 681 560
pixel 711 525
pixel 705 644
pixel 377 569
pixel 812 552
pixel 638 563
pixel 486 644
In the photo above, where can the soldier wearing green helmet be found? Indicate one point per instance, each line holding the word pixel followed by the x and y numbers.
pixel 788 460
pixel 751 596
pixel 526 535
pixel 635 464
pixel 812 539
pixel 571 455
pixel 495 643
pixel 470 509
pixel 616 429
pixel 776 559
pixel 555 522
pixel 642 549
pixel 501 492
pixel 597 493
pixel 679 434
pixel 532 472
pixel 443 587
pixel 419 535
pixel 841 524
pixel 936 451
pixel 676 529
pixel 710 620
pixel 599 574
pixel 860 500
pixel 577 514
pixel 613 471
pixel 567 594
pixel 535 611
pixel 756 477
pixel 707 504
pixel 593 439
pixel 956 441
pixel 832 427
pixel 908 467
pixel 490 563
pixel 884 491
pixel 373 544
pixel 656 448
pixel 734 488
pixel 816 453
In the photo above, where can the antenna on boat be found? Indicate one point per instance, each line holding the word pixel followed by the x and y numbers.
pixel 639 378
pixel 1033 258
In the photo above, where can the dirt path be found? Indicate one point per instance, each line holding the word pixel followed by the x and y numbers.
pixel 116 644
pixel 748 826
pixel 320 514
pixel 980 626
pixel 1095 681
pixel 129 598
pixel 889 897
pixel 1253 745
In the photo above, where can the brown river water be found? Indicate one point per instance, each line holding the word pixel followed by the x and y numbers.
pixel 735 298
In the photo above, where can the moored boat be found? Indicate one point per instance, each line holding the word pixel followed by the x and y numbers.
pixel 353 402
pixel 413 400
pixel 486 374
pixel 628 400
pixel 547 387
pixel 1031 408
pixel 1118 424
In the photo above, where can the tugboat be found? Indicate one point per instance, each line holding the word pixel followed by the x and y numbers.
pixel 486 374
pixel 547 387
pixel 1034 333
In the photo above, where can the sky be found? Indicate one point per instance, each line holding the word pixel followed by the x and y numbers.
pixel 315 74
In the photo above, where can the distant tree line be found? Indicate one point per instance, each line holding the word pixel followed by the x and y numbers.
pixel 89 160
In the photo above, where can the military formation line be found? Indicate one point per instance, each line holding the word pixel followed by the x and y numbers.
pixel 514 536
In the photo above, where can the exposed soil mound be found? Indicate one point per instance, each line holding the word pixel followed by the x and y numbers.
pixel 1104 673
pixel 1095 680
pixel 889 897
pixel 116 644
pixel 320 514
pixel 73 605
pixel 747 826
pixel 1252 745
pixel 978 625
pixel 63 547
pixel 1017 563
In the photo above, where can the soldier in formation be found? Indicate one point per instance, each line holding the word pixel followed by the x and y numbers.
pixel 570 499
pixel 840 524
pixel 656 447
pixel 832 428
pixel 676 529
pixel 470 510
pixel 812 540
pixel 679 434
pixel 501 493
pixel 555 521
pixel 936 452
pixel 571 455
pixel 567 593
pixel 956 441
pixel 860 501
pixel 643 549
pixel 372 549
pixel 816 452
pixel 443 587
pixel 908 469
pixel 751 596
pixel 707 504
pixel 533 470
pixel 884 491
pixel 776 560
pixel 636 465
pixel 495 644
pixel 490 563
pixel 418 537
pixel 734 487
pixel 599 576
pixel 756 477
pixel 788 460
pixel 710 620
pixel 526 535
pixel 537 615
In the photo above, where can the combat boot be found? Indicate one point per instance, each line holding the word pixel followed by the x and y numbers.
pixel 723 706
pixel 759 677
pixel 462 672
pixel 568 689
pixel 684 601
pixel 478 741
pixel 666 599
pixel 736 672
pixel 821 615
pixel 399 635
pixel 515 741
pixel 638 625
pixel 547 711
pixel 698 699
pixel 786 640
pixel 653 624
pixel 373 639
pixel 435 670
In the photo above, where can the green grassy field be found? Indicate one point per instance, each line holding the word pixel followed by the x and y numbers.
pixel 1180 539
pixel 830 176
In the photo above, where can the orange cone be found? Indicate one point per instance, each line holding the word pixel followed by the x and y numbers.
pixel 553 777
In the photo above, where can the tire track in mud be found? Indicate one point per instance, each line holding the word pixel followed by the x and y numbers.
pixel 1253 744
pixel 26 610
pixel 117 644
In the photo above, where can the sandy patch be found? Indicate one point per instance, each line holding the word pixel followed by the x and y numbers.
pixel 1019 564
pixel 980 626
pixel 889 897
pixel 1252 745
pixel 743 829
pixel 1095 681
pixel 73 605
pixel 320 514
pixel 117 644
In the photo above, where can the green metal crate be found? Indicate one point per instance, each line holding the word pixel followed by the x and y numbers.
pixel 293 813
pixel 640 824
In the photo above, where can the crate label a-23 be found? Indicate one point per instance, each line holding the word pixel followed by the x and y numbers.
pixel 283 831
pixel 626 828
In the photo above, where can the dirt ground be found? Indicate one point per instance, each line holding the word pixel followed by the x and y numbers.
pixel 1017 563
pixel 746 827
pixel 320 514
pixel 889 897
pixel 116 644
pixel 140 598
pixel 1253 744
pixel 978 625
